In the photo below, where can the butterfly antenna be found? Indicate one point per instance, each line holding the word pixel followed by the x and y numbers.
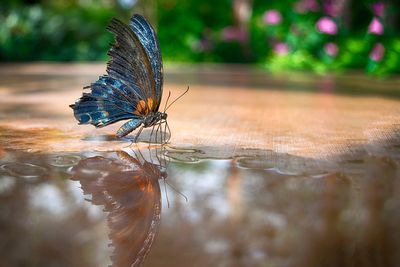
pixel 177 191
pixel 176 99
pixel 166 103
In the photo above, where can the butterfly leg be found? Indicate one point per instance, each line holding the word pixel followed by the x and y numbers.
pixel 165 132
pixel 162 136
pixel 137 135
pixel 157 131
pixel 167 135
pixel 155 140
pixel 152 130
pixel 169 131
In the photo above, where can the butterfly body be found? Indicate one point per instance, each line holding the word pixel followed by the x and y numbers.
pixel 132 87
pixel 153 118
pixel 148 121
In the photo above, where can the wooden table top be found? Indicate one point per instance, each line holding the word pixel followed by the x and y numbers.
pixel 228 109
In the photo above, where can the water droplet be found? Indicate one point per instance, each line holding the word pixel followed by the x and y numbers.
pixel 287 171
pixel 258 163
pixel 64 160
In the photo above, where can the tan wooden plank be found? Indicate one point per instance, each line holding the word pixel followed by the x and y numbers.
pixel 228 108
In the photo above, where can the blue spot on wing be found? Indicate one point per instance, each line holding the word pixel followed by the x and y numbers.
pixel 84 118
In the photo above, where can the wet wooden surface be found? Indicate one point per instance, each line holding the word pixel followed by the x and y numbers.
pixel 91 208
pixel 228 108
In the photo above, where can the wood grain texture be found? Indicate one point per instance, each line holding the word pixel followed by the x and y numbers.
pixel 228 108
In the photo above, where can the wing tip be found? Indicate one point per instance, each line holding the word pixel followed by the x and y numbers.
pixel 113 24
pixel 137 15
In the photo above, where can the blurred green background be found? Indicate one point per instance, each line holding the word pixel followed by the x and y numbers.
pixel 278 35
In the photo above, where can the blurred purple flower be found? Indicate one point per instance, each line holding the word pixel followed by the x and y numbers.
pixel 329 9
pixel 304 6
pixel 331 49
pixel 378 8
pixel 272 17
pixel 232 33
pixel 281 49
pixel 376 27
pixel 377 52
pixel 326 25
pixel 332 8
pixel 229 33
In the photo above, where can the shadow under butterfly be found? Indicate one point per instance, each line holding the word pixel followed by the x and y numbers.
pixel 132 88
pixel 127 187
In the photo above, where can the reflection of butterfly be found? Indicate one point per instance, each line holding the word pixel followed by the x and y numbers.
pixel 128 189
pixel 132 88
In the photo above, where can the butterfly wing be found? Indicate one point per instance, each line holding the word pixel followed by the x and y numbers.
pixel 107 101
pixel 129 62
pixel 129 88
pixel 147 36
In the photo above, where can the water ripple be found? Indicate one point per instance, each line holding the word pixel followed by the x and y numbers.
pixel 64 160
pixel 24 170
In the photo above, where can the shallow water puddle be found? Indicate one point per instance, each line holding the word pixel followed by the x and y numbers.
pixel 298 170
pixel 144 205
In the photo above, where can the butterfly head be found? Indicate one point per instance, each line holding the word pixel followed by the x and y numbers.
pixel 162 115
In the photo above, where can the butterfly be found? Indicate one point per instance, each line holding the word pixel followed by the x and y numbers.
pixel 133 86
pixel 127 186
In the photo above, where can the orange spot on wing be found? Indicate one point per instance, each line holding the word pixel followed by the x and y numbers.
pixel 140 107
pixel 150 103
pixel 143 107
